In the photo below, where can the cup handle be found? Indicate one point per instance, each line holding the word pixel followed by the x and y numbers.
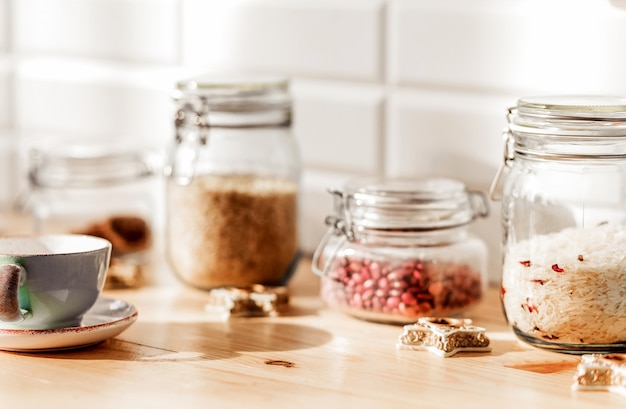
pixel 11 275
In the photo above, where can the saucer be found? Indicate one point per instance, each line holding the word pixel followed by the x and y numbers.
pixel 106 319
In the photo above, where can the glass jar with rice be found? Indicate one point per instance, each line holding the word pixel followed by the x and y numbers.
pixel 563 197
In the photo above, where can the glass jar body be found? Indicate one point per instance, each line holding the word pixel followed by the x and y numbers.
pixel 106 194
pixel 403 276
pixel 564 219
pixel 235 222
pixel 564 274
pixel 400 249
pixel 79 209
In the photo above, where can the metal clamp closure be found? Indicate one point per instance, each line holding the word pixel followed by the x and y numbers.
pixel 339 224
pixel 480 205
pixel 338 227
pixel 495 190
pixel 192 132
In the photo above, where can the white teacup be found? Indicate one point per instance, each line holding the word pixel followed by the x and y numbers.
pixel 50 281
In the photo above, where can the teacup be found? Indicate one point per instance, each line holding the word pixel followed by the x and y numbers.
pixel 50 281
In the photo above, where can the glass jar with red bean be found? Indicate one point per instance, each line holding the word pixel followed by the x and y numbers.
pixel 400 249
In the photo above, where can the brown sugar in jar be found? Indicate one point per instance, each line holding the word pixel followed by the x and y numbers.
pixel 233 230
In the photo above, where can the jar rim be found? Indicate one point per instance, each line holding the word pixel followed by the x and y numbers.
pixel 426 203
pixel 402 191
pixel 598 107
pixel 233 85
pixel 86 167
pixel 569 119
pixel 206 94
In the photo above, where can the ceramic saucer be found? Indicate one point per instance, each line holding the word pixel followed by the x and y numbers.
pixel 106 319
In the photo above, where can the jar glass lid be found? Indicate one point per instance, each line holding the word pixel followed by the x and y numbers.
pixel 236 94
pixel 233 85
pixel 86 166
pixel 412 204
pixel 574 106
pixel 578 116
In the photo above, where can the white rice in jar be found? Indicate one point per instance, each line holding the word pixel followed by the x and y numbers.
pixel 568 287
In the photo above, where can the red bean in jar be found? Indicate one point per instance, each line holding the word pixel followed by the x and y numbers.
pixel 398 250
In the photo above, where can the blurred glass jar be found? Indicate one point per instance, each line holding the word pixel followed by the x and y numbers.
pixel 95 190
pixel 233 184
pixel 563 191
pixel 399 249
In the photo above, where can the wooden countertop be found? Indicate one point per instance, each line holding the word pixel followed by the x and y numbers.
pixel 176 355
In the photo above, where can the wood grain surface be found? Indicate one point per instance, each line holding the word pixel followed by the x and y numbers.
pixel 179 355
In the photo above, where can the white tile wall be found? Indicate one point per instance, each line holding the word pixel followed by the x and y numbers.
pixel 340 125
pixel 327 38
pixel 525 46
pixel 381 87
pixel 132 30
pixel 446 133
pixel 5 66
pixel 6 103
pixel 93 100
pixel 4 25
pixel 8 189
